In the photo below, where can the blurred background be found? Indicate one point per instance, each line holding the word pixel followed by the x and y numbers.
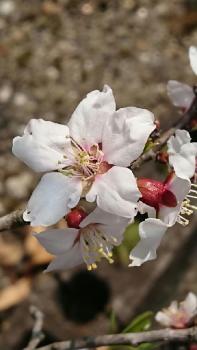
pixel 52 53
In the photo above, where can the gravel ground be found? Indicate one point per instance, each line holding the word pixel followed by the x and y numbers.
pixel 54 52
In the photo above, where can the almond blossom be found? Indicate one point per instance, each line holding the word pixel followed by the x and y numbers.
pixel 88 158
pixel 182 95
pixel 179 316
pixel 182 154
pixel 166 203
pixel 94 239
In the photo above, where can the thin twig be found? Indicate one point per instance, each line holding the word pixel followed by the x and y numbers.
pixel 169 335
pixel 15 219
pixel 12 220
pixel 37 334
pixel 183 121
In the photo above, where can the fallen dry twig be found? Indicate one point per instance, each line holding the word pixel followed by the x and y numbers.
pixel 167 335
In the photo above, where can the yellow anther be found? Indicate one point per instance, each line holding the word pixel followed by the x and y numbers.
pixel 100 250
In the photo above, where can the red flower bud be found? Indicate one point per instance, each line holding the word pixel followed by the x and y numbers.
pixel 75 217
pixel 155 193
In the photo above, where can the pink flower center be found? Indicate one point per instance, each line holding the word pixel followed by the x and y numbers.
pixel 89 162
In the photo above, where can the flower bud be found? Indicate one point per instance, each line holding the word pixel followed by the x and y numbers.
pixel 75 217
pixel 155 193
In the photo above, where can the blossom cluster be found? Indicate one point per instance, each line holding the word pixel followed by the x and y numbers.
pixel 180 315
pixel 88 179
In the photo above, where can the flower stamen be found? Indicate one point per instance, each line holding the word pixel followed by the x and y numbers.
pixel 187 207
pixel 96 245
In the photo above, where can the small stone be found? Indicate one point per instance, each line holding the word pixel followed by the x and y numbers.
pixel 5 93
pixel 142 13
pixel 7 7
pixel 51 8
pixel 19 186
pixel 129 4
pixel 52 73
pixel 87 9
pixel 20 99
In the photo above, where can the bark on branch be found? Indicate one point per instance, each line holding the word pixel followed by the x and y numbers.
pixel 12 220
pixel 162 335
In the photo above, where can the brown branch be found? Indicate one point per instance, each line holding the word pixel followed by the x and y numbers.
pixel 15 219
pixel 169 335
pixel 12 220
pixel 37 334
pixel 183 121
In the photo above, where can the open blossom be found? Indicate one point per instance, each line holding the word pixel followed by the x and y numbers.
pixel 182 154
pixel 179 316
pixel 89 158
pixel 182 95
pixel 94 239
pixel 166 203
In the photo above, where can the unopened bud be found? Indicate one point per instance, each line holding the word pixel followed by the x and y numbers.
pixel 75 217
pixel 154 193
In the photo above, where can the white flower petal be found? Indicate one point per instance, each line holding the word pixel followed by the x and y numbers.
pixel 125 135
pixel 98 216
pixel 181 95
pixel 57 241
pixel 183 167
pixel 189 305
pixel 144 208
pixel 193 58
pixel 68 260
pixel 174 307
pixel 49 133
pixel 176 142
pixel 182 154
pixel 42 147
pixel 116 231
pixel 116 192
pixel 180 188
pixel 163 319
pixel 52 199
pixel 87 122
pixel 111 225
pixel 151 232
